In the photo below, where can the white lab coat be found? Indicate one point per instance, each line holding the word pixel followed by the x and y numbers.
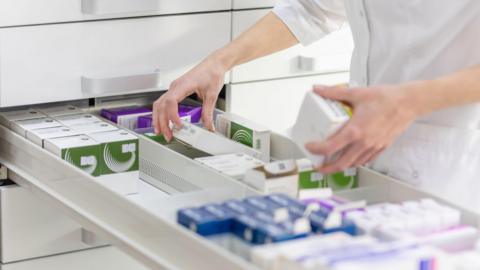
pixel 404 40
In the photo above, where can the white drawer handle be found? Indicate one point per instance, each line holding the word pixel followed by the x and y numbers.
pixel 101 7
pixel 306 63
pixel 129 83
pixel 91 239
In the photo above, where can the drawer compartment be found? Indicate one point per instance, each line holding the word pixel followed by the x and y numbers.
pixel 330 54
pixel 26 12
pixel 32 228
pixel 41 64
pixel 244 4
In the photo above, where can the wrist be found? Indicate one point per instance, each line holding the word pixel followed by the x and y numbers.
pixel 417 97
pixel 223 59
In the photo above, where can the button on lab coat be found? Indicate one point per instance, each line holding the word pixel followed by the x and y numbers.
pixel 398 41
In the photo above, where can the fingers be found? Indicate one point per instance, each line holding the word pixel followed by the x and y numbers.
pixel 208 109
pixel 345 161
pixel 334 93
pixel 336 142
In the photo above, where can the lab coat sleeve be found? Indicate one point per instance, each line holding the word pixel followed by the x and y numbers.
pixel 310 20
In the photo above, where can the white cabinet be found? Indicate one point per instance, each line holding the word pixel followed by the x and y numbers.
pixel 275 103
pixel 244 4
pixel 330 54
pixel 40 64
pixel 27 12
pixel 32 228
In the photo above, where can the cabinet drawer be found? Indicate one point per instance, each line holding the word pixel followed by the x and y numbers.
pixel 244 4
pixel 40 64
pixel 275 103
pixel 331 54
pixel 26 12
pixel 32 228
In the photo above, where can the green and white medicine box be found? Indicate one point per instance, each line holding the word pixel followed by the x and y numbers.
pixel 7 117
pixel 22 126
pixel 309 178
pixel 119 150
pixel 245 132
pixel 60 110
pixel 38 136
pixel 81 151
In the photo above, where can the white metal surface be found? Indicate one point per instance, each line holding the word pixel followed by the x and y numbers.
pixel 106 258
pixel 32 228
pixel 330 54
pixel 41 64
pixel 262 100
pixel 26 12
pixel 245 4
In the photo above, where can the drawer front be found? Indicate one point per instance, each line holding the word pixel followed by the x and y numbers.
pixel 32 228
pixel 48 63
pixel 331 54
pixel 244 4
pixel 275 103
pixel 26 12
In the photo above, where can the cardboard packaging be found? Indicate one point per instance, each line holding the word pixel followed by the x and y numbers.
pixel 93 127
pixel 7 117
pixel 246 132
pixel 22 126
pixel 60 110
pixel 38 136
pixel 317 120
pixel 119 151
pixel 309 178
pixel 81 151
pixel 75 119
pixel 211 143
pixel 275 177
pixel 126 117
pixel 234 165
pixel 187 113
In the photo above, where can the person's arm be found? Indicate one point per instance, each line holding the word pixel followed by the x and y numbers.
pixel 267 36
pixel 382 113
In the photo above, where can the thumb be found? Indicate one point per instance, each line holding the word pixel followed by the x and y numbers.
pixel 207 111
pixel 333 92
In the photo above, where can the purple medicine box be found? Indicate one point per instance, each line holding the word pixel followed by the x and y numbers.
pixel 113 114
pixel 184 111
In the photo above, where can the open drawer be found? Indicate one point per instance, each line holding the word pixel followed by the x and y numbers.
pixel 145 228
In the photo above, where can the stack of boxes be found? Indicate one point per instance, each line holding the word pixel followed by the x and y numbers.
pixel 80 138
pixel 279 232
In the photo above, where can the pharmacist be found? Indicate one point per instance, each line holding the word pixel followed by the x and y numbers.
pixel 415 86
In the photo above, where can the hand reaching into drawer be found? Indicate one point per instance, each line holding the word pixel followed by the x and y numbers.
pixel 205 80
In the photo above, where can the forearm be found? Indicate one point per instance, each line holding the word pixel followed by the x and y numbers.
pixel 457 89
pixel 267 36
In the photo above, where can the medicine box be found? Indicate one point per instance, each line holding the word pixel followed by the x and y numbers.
pixel 234 165
pixel 317 120
pixel 22 126
pixel 80 151
pixel 246 132
pixel 37 136
pixel 210 142
pixel 7 117
pixel 75 119
pixel 60 110
pixel 119 151
pixel 126 117
pixel 275 177
pixel 309 178
pixel 93 127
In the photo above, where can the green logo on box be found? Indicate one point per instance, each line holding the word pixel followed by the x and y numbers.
pixel 241 134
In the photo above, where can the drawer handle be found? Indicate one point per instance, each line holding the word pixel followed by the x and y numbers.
pixel 129 83
pixel 101 7
pixel 306 63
